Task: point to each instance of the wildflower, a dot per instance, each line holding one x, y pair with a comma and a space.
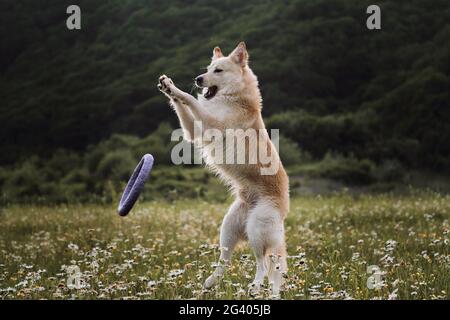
240, 293
73, 247
328, 289
22, 283
355, 256
393, 295
175, 273
390, 245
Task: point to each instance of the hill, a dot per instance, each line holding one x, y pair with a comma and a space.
79, 108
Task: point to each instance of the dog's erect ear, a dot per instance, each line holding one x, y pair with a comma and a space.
217, 53
240, 54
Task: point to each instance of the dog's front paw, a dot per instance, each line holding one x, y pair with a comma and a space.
165, 85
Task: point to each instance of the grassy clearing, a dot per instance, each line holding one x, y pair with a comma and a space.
166, 250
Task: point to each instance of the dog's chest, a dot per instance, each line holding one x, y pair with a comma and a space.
221, 111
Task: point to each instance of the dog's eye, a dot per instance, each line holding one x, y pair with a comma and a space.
218, 70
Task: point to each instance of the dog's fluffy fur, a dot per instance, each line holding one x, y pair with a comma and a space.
231, 100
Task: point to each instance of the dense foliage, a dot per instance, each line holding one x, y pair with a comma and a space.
329, 83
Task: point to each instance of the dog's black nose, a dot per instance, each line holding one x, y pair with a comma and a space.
199, 80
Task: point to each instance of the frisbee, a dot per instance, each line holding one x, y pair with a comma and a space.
135, 184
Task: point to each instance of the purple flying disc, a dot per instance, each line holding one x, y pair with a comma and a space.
135, 184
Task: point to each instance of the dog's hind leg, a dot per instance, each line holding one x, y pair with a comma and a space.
277, 268
265, 231
231, 231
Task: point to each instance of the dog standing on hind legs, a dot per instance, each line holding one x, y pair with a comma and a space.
231, 99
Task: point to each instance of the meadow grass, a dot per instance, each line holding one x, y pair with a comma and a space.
166, 250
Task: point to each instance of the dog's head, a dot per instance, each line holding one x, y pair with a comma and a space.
225, 73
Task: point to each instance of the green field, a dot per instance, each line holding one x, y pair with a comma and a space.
165, 250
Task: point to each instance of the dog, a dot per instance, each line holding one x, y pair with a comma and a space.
231, 99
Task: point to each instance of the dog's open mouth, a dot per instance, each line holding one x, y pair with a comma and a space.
211, 92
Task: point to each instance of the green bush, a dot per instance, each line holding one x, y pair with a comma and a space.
116, 166
25, 182
349, 170
290, 152
390, 171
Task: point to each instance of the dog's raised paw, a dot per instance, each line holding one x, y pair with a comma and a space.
165, 83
